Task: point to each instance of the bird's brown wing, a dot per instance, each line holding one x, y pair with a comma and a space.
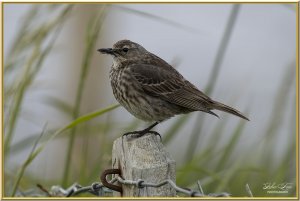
170, 86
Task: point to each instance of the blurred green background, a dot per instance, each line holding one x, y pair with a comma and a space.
243, 55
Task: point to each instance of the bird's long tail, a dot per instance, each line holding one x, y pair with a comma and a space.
220, 106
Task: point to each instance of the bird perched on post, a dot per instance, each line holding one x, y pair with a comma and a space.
151, 89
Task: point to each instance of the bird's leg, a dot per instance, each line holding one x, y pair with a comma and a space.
145, 131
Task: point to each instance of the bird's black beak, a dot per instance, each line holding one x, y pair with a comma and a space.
106, 50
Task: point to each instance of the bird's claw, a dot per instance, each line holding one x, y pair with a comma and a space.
155, 133
138, 134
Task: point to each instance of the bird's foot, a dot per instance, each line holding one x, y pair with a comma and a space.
141, 133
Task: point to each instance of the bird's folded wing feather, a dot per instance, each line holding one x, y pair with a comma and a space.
170, 86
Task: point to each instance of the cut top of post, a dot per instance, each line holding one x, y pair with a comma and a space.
144, 158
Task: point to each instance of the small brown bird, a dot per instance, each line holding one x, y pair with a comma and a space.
151, 89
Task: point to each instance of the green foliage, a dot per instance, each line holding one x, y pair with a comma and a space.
93, 30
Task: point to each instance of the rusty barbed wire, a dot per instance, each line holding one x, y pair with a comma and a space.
100, 190
142, 184
96, 189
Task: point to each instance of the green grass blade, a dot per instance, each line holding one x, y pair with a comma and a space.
194, 139
213, 77
31, 69
157, 18
26, 142
89, 116
231, 145
59, 104
35, 152
92, 35
222, 48
175, 128
216, 134
28, 18
18, 101
27, 162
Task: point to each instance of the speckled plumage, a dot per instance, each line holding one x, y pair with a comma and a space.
151, 89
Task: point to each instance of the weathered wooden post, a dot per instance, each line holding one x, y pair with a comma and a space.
143, 158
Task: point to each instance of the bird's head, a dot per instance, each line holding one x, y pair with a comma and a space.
125, 50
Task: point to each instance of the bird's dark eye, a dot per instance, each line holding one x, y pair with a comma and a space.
125, 49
